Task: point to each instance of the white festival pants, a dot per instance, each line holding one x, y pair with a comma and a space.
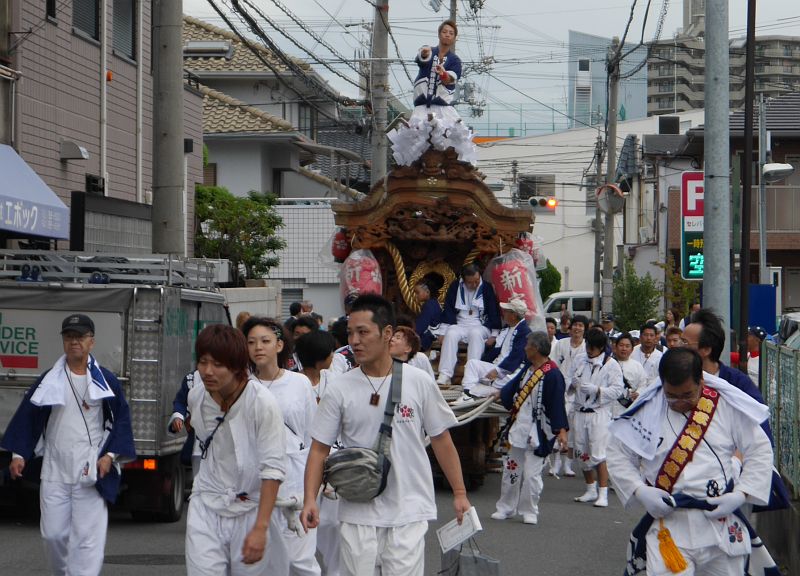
214, 543
328, 538
399, 551
521, 486
708, 561
591, 436
73, 525
475, 337
300, 550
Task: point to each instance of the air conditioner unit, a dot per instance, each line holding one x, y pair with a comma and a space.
645, 235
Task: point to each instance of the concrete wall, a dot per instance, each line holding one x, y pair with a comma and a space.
259, 301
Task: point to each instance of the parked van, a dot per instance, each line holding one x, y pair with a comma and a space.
576, 302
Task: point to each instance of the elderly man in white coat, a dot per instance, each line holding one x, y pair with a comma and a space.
483, 378
673, 451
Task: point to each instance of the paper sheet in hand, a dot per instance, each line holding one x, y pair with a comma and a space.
451, 534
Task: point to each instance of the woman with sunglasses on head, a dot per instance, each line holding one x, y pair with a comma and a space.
270, 348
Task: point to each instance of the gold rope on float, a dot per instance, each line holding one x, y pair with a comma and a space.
438, 266
400, 270
473, 254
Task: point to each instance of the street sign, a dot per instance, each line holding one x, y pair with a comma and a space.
692, 213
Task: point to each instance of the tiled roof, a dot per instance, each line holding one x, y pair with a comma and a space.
223, 114
243, 58
783, 114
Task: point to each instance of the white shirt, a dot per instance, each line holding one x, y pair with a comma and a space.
563, 354
346, 412
634, 373
594, 371
728, 431
67, 444
248, 447
648, 361
298, 403
421, 361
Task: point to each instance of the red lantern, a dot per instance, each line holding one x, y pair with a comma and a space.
340, 246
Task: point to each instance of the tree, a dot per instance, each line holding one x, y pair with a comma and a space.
636, 298
680, 293
239, 229
549, 280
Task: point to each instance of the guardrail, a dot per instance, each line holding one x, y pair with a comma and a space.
100, 268
780, 386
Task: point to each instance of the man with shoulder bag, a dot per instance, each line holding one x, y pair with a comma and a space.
386, 492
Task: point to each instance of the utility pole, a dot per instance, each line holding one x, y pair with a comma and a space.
611, 173
716, 250
168, 212
453, 15
747, 185
763, 150
598, 230
379, 89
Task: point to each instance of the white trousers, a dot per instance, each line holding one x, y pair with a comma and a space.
709, 561
474, 336
298, 551
591, 437
521, 486
214, 543
372, 551
328, 536
73, 525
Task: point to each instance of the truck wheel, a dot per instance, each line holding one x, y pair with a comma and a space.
172, 481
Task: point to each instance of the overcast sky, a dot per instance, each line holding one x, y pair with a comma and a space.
527, 40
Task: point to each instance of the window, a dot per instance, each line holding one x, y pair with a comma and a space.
555, 305
50, 9
666, 87
125, 28
86, 17
210, 174
306, 121
583, 65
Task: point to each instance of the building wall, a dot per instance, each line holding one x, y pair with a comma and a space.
676, 71
59, 98
567, 235
238, 166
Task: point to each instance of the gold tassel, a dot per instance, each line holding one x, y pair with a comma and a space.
673, 559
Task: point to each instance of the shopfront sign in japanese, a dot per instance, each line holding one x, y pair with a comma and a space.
692, 260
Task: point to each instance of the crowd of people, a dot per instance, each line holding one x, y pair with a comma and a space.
269, 401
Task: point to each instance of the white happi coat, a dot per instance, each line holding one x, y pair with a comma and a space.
640, 444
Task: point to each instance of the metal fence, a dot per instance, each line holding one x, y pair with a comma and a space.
780, 371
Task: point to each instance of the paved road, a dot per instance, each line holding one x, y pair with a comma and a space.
570, 538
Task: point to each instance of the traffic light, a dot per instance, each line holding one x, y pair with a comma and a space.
544, 204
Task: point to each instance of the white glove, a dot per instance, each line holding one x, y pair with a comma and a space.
726, 504
655, 501
589, 389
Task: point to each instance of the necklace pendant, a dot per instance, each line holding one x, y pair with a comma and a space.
318, 399
374, 398
470, 312
85, 405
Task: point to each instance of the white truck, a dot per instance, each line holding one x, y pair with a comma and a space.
147, 312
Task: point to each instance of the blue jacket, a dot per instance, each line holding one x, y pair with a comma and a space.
516, 354
553, 388
30, 422
491, 311
430, 315
428, 87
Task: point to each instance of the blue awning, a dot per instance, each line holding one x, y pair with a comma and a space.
28, 207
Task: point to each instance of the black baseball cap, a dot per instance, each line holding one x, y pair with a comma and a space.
758, 332
79, 323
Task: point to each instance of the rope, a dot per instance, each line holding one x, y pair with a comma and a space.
400, 270
474, 253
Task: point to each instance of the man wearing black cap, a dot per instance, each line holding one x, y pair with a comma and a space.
88, 435
608, 326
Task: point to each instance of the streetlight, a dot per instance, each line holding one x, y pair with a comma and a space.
770, 173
